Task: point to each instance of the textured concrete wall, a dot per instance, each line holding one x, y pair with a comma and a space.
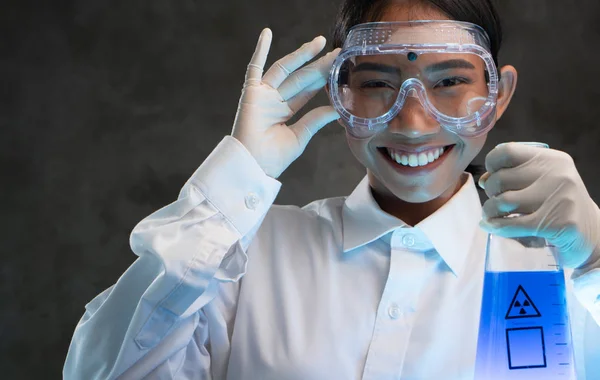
108, 106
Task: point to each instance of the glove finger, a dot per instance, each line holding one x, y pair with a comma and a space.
512, 202
503, 180
259, 58
312, 122
281, 69
509, 155
300, 100
316, 71
297, 102
518, 226
483, 179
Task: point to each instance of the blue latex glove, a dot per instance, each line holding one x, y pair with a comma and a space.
544, 185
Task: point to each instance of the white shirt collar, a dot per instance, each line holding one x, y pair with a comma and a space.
450, 229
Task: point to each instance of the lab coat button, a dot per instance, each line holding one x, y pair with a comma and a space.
394, 312
252, 201
408, 240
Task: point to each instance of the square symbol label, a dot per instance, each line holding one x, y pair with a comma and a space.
526, 347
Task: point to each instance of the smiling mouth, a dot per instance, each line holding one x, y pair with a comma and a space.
414, 160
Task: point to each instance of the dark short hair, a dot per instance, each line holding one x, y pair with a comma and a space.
479, 12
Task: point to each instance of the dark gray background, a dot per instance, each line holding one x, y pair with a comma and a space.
108, 106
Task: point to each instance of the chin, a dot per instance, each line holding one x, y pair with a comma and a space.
416, 189
416, 194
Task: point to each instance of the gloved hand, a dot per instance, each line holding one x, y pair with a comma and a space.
544, 185
269, 101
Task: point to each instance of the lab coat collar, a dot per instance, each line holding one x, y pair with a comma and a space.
450, 229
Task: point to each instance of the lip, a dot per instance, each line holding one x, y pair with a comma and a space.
417, 170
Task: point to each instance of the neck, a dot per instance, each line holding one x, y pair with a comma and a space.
411, 213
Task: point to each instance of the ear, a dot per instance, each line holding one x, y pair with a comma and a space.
506, 88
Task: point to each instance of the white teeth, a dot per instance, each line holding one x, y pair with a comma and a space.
414, 159
430, 157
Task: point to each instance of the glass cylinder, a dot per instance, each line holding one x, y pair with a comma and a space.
524, 329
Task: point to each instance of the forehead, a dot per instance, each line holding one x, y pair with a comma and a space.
411, 11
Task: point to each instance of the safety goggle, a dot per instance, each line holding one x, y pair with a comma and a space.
445, 65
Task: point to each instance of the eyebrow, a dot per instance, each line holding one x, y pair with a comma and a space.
450, 64
373, 66
440, 66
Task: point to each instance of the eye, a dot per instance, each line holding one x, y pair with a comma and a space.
376, 84
451, 82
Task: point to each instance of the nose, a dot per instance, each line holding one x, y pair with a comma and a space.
412, 120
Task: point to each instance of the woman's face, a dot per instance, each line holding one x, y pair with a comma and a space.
413, 133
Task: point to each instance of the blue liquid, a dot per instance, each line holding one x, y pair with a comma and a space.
524, 331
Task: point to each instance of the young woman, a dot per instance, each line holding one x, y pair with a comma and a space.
383, 284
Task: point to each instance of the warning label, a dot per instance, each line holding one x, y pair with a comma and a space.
522, 306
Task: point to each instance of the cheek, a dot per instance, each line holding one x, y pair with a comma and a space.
360, 149
472, 147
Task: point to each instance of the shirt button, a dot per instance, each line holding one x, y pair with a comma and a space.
394, 312
408, 240
252, 201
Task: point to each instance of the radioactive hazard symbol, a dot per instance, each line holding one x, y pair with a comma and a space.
522, 306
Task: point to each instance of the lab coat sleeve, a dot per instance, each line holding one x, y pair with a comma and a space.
586, 286
157, 315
